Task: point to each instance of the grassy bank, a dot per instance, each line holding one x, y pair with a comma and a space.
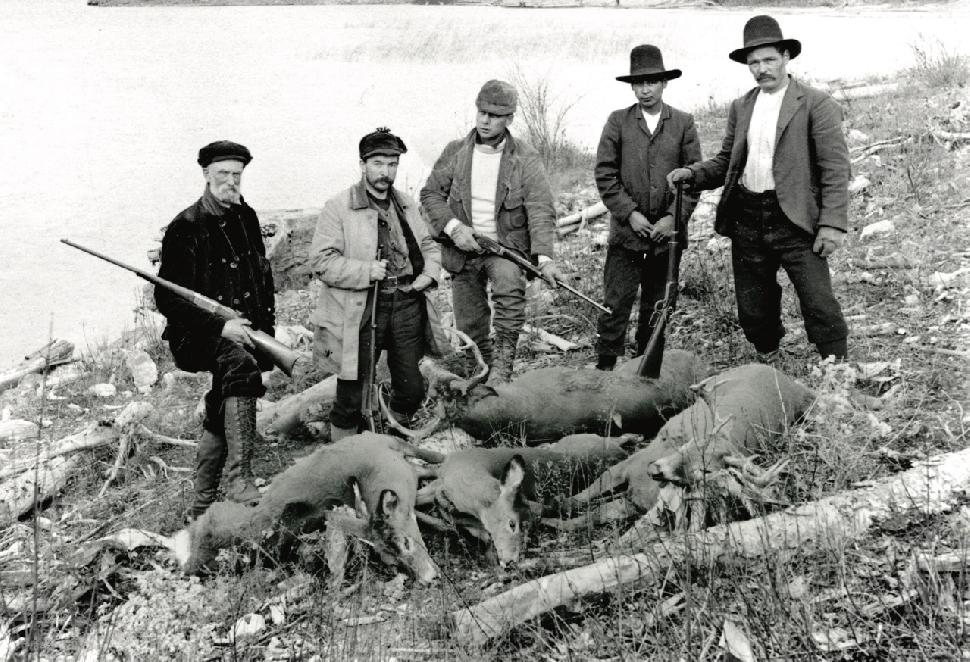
864, 600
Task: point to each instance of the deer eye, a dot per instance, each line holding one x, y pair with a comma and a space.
513, 524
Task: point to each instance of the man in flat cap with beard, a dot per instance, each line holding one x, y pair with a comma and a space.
491, 184
638, 147
215, 248
373, 233
784, 166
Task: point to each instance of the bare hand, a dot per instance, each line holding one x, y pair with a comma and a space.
640, 225
678, 175
663, 229
550, 273
464, 239
237, 330
378, 270
420, 283
827, 241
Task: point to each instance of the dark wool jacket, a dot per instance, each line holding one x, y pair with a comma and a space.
810, 165
196, 254
525, 217
632, 166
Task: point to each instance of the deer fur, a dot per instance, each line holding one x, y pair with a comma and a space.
365, 471
736, 413
488, 491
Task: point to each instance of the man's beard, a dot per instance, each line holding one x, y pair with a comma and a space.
228, 195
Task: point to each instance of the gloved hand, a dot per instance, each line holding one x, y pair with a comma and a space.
464, 239
827, 241
550, 273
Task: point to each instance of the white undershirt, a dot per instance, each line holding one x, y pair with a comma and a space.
651, 120
757, 174
485, 166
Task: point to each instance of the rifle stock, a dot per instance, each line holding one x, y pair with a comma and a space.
281, 355
495, 248
653, 354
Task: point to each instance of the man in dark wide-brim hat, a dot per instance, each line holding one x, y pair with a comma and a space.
784, 166
639, 146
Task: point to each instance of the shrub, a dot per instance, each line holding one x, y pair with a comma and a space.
935, 65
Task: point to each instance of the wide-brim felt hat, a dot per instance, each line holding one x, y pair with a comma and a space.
763, 30
647, 63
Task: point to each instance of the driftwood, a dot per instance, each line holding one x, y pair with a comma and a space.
931, 487
92, 436
53, 353
558, 342
574, 222
863, 91
283, 416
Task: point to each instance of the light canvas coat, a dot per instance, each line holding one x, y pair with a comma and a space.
343, 248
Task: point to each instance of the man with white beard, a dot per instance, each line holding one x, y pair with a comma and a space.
215, 248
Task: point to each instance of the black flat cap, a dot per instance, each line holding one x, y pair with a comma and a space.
381, 141
224, 150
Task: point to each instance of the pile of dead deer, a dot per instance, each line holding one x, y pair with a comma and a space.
619, 439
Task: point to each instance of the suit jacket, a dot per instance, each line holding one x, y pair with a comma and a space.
810, 166
632, 166
525, 217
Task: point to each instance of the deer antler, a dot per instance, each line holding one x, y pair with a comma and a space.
414, 435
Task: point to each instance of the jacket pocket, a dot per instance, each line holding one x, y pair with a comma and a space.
514, 207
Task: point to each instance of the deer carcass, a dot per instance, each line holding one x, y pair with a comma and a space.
736, 414
367, 471
488, 491
545, 404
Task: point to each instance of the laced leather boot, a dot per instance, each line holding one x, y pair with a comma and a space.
241, 440
210, 457
501, 370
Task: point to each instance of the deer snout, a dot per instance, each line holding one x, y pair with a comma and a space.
669, 468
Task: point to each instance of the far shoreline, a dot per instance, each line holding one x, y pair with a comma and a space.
889, 5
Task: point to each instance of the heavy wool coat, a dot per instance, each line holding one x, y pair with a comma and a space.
632, 166
525, 217
343, 248
810, 165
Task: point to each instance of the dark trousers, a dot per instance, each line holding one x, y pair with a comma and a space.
470, 300
765, 239
624, 272
400, 331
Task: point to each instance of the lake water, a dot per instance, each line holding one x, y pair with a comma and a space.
104, 109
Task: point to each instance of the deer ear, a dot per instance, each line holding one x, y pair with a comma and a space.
513, 475
359, 504
388, 503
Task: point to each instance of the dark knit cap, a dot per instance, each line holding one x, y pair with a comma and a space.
497, 97
381, 141
224, 150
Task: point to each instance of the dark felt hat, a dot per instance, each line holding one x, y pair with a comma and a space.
763, 30
382, 142
497, 97
647, 63
224, 150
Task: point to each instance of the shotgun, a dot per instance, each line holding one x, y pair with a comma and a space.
653, 355
495, 248
280, 354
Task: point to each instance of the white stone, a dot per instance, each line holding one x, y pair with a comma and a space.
103, 390
143, 370
879, 227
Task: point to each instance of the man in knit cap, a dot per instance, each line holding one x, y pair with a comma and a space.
373, 233
639, 146
215, 248
493, 185
784, 166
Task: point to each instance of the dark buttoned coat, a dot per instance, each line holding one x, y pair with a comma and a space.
810, 164
632, 165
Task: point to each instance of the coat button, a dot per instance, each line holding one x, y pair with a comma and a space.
235, 302
245, 295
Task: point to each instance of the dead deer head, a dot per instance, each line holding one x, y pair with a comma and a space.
500, 514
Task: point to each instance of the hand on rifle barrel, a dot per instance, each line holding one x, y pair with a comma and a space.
464, 238
679, 177
378, 270
550, 273
237, 330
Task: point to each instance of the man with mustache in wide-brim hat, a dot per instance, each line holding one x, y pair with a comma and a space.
784, 166
638, 147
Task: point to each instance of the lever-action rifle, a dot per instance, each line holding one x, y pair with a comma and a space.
653, 355
277, 352
495, 248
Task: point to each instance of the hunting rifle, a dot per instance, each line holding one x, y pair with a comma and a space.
495, 248
370, 407
280, 354
653, 355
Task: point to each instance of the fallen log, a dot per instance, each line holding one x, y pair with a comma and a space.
933, 486
92, 436
283, 416
558, 342
51, 354
573, 222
